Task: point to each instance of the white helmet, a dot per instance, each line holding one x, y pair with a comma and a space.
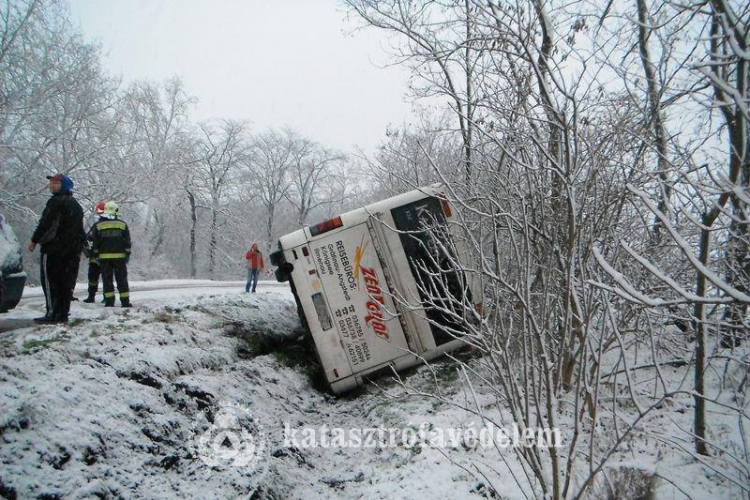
111, 208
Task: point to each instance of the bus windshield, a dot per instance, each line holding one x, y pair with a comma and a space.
433, 264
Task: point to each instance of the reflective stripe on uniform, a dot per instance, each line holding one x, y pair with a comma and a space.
111, 256
111, 224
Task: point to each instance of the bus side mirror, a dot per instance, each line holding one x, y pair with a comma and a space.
276, 258
283, 272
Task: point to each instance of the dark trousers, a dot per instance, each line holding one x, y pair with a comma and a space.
117, 269
58, 274
94, 271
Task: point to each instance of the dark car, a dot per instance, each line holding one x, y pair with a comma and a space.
12, 277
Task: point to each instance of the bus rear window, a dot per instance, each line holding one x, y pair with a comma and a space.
322, 311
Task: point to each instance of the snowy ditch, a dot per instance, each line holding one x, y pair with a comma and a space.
215, 396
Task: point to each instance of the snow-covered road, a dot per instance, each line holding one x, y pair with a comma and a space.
143, 293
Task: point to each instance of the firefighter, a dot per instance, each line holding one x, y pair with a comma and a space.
94, 269
110, 244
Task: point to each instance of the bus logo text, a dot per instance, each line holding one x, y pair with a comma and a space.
374, 305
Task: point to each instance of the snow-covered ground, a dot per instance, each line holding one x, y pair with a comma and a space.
203, 391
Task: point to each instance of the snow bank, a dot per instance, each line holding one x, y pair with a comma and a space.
210, 395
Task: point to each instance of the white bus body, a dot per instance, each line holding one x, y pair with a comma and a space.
354, 281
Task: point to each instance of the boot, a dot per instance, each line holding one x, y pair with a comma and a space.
43, 319
126, 303
109, 302
90, 299
51, 320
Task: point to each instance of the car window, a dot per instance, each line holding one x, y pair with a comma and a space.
10, 249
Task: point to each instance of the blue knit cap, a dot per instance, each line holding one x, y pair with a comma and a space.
66, 184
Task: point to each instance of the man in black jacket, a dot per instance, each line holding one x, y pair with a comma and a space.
62, 237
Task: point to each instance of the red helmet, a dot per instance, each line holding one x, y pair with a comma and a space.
100, 207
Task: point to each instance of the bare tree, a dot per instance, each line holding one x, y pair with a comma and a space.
443, 46
708, 207
570, 171
269, 166
407, 157
311, 171
223, 148
728, 71
158, 117
53, 98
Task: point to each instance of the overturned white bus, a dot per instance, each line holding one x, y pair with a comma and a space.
382, 286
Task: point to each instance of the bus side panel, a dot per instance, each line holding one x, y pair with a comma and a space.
345, 276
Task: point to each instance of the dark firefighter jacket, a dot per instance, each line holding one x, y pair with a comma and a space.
110, 240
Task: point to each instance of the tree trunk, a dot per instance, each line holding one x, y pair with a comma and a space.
699, 416
212, 242
655, 119
193, 229
269, 225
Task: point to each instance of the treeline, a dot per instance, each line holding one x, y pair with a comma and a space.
195, 193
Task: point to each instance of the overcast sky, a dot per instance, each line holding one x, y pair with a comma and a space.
271, 62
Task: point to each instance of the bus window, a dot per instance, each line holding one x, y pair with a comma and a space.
432, 259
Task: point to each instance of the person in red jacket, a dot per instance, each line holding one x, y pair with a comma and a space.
255, 264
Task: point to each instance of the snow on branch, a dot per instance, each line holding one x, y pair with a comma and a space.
684, 246
628, 292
